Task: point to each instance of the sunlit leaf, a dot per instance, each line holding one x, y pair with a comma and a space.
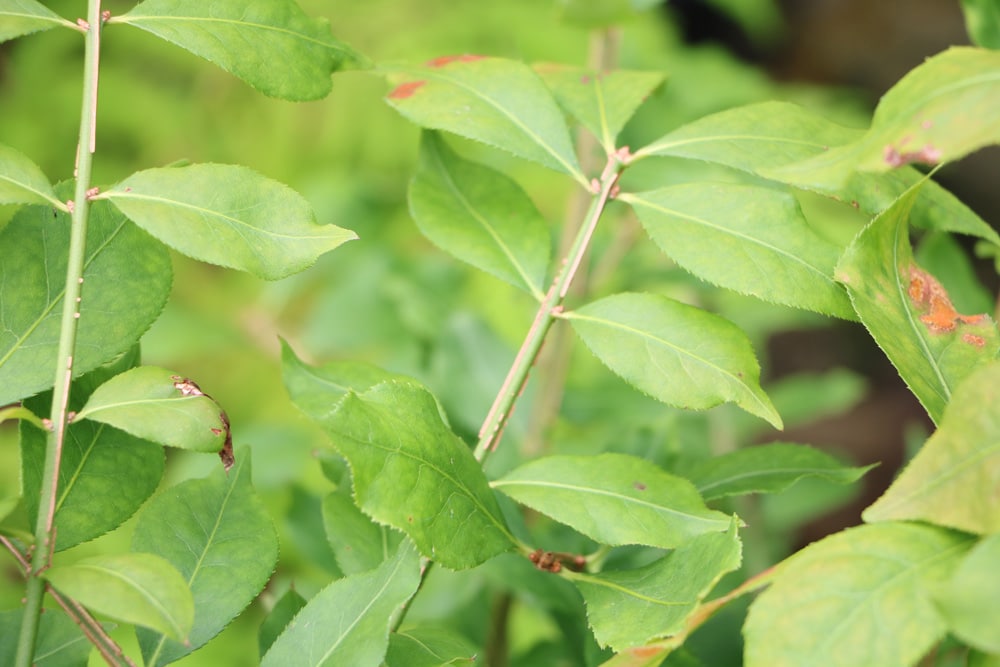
479, 215
767, 469
21, 181
411, 472
603, 102
157, 405
614, 499
218, 534
678, 354
273, 45
629, 608
429, 647
347, 623
358, 543
227, 215
134, 588
982, 19
968, 600
856, 599
749, 239
499, 102
21, 17
952, 481
126, 281
908, 312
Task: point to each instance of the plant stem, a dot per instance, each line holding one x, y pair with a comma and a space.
44, 526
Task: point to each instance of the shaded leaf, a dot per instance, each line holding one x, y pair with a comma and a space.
219, 536
285, 609
347, 623
982, 19
411, 472
273, 46
614, 499
856, 599
21, 17
156, 405
968, 600
767, 469
676, 353
227, 215
628, 608
952, 481
429, 647
909, 314
749, 239
126, 281
479, 215
358, 543
499, 102
60, 642
603, 102
21, 181
134, 588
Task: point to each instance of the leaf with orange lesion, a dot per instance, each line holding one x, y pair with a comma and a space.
940, 316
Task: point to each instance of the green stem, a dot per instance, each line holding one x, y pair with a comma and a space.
551, 306
44, 527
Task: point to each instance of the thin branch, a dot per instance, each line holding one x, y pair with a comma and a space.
18, 555
106, 646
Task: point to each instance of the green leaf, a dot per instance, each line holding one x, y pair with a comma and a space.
126, 281
160, 406
968, 600
499, 102
60, 642
856, 599
411, 472
909, 314
358, 543
613, 498
952, 481
134, 588
284, 610
21, 17
676, 353
104, 477
347, 623
21, 181
768, 469
273, 46
479, 215
218, 534
762, 138
228, 215
603, 102
629, 608
429, 647
749, 239
982, 19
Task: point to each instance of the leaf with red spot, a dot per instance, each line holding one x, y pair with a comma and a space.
499, 102
908, 312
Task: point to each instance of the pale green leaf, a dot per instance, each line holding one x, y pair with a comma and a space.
126, 281
228, 215
359, 544
982, 19
20, 412
347, 623
953, 479
768, 468
133, 588
628, 608
603, 102
968, 600
908, 312
613, 498
160, 406
479, 215
856, 599
218, 534
272, 45
21, 17
499, 102
678, 354
21, 181
411, 472
749, 239
425, 646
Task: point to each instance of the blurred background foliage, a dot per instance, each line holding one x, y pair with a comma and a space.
394, 300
